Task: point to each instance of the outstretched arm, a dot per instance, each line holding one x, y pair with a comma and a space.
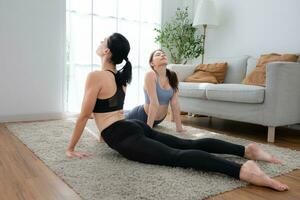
150, 87
176, 112
92, 89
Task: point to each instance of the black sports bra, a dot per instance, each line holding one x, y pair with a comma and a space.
113, 103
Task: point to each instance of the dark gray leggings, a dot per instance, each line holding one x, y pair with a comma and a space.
140, 114
138, 142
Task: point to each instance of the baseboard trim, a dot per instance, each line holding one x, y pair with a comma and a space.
36, 117
294, 126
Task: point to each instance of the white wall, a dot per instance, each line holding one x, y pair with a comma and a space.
32, 53
169, 8
253, 27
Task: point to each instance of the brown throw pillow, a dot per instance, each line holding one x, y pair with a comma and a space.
208, 73
258, 75
201, 77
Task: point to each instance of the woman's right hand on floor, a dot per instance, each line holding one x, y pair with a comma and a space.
180, 130
72, 154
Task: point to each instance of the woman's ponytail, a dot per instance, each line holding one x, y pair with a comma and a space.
173, 80
124, 75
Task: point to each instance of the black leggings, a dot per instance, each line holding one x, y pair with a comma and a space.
138, 142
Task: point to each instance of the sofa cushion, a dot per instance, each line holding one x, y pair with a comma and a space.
251, 64
236, 68
208, 73
258, 75
235, 93
196, 90
201, 77
182, 70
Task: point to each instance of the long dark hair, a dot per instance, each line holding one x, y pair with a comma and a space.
119, 48
172, 77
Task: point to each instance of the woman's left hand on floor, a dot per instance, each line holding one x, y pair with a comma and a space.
72, 154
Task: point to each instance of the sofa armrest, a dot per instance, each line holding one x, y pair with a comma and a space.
282, 97
182, 70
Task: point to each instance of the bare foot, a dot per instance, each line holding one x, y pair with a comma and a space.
253, 152
251, 173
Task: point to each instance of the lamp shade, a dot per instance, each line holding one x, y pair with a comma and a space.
206, 13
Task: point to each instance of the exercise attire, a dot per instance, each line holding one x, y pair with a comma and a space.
163, 95
138, 142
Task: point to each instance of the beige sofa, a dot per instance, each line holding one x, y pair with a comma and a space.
277, 104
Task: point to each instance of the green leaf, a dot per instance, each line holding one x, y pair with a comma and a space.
178, 37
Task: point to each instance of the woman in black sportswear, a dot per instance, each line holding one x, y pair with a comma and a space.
104, 96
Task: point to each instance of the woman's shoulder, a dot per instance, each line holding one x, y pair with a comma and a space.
150, 75
96, 76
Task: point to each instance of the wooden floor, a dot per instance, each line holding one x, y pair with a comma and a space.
285, 137
23, 176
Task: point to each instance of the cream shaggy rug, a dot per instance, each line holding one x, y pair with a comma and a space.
107, 175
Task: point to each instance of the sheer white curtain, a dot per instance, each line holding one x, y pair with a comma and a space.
88, 22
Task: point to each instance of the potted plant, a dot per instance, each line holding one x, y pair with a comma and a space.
178, 37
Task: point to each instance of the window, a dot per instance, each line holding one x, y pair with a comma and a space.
88, 22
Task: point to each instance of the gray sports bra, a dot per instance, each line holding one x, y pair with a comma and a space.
163, 95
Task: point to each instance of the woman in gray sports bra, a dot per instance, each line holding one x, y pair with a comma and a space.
160, 89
